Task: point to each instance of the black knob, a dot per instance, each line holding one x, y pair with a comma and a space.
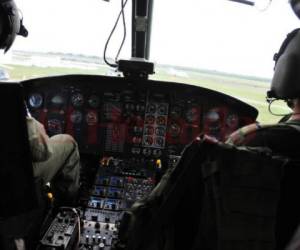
97, 225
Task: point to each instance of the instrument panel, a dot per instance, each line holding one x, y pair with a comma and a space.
145, 118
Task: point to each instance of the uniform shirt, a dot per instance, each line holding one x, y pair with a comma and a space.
38, 140
283, 140
280, 138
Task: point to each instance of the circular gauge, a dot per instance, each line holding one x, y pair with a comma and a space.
148, 141
232, 121
174, 129
135, 151
137, 129
94, 101
136, 140
159, 141
161, 120
35, 100
162, 109
157, 153
57, 100
140, 108
151, 108
192, 114
54, 127
91, 118
160, 131
77, 100
149, 119
213, 116
76, 117
147, 151
149, 130
175, 112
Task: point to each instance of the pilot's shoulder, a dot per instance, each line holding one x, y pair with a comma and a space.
254, 131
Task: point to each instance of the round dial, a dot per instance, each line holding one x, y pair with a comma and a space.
148, 140
157, 153
35, 100
232, 121
160, 131
162, 109
174, 129
151, 108
213, 120
94, 101
91, 118
147, 151
76, 117
159, 141
161, 120
192, 114
57, 100
149, 119
140, 108
55, 126
77, 100
213, 116
149, 130
175, 112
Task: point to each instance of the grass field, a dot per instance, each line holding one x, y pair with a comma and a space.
251, 91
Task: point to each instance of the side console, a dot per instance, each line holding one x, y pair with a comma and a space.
63, 232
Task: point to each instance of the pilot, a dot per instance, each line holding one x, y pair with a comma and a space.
285, 86
55, 159
282, 138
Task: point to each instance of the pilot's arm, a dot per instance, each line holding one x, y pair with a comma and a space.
39, 140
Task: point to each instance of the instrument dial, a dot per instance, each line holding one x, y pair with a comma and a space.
77, 100
94, 101
151, 108
91, 118
232, 121
175, 112
149, 130
160, 131
159, 141
213, 116
174, 129
149, 119
213, 120
35, 100
148, 141
192, 114
161, 120
76, 117
58, 100
162, 109
55, 126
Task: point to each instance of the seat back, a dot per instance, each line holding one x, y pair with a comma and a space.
17, 188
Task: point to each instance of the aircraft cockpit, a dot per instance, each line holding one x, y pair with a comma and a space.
131, 121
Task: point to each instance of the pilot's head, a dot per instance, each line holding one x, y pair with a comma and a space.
286, 79
10, 24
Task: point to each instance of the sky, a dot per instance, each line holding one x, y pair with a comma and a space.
209, 34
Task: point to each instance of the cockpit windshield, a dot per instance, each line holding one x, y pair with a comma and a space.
217, 44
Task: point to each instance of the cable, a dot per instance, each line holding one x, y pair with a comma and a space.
124, 29
111, 33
